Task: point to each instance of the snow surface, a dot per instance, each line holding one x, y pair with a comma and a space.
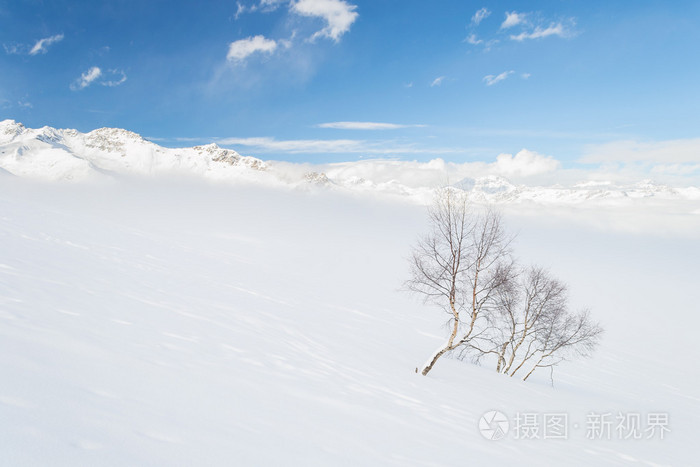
156, 322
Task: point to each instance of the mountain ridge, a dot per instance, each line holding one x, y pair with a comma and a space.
54, 154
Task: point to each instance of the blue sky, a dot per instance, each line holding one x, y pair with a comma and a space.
308, 80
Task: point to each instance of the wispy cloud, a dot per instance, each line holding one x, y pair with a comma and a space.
113, 78
521, 26
670, 161
14, 48
41, 46
480, 15
109, 78
334, 146
678, 151
296, 146
554, 29
264, 6
437, 81
513, 19
86, 79
490, 80
533, 26
472, 39
365, 126
240, 9
676, 169
338, 15
241, 49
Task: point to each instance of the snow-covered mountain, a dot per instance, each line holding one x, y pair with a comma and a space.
48, 153
52, 154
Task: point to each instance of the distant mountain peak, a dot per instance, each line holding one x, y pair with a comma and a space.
64, 154
9, 129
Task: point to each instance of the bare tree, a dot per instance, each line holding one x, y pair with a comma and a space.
534, 328
460, 266
518, 317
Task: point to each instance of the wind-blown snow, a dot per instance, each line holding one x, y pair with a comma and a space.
183, 323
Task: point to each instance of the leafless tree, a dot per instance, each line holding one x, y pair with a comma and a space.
460, 266
520, 318
533, 327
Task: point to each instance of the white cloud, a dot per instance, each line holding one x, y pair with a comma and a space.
241, 49
299, 145
365, 126
86, 79
524, 164
659, 152
113, 78
525, 75
270, 5
472, 39
676, 169
513, 19
240, 9
480, 15
437, 81
334, 146
15, 48
265, 6
109, 78
338, 15
490, 80
554, 29
42, 45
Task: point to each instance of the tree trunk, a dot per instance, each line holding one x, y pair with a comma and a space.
447, 347
429, 365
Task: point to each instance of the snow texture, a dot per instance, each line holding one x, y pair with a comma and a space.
157, 322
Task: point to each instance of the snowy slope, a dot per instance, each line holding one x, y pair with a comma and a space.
183, 323
52, 154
